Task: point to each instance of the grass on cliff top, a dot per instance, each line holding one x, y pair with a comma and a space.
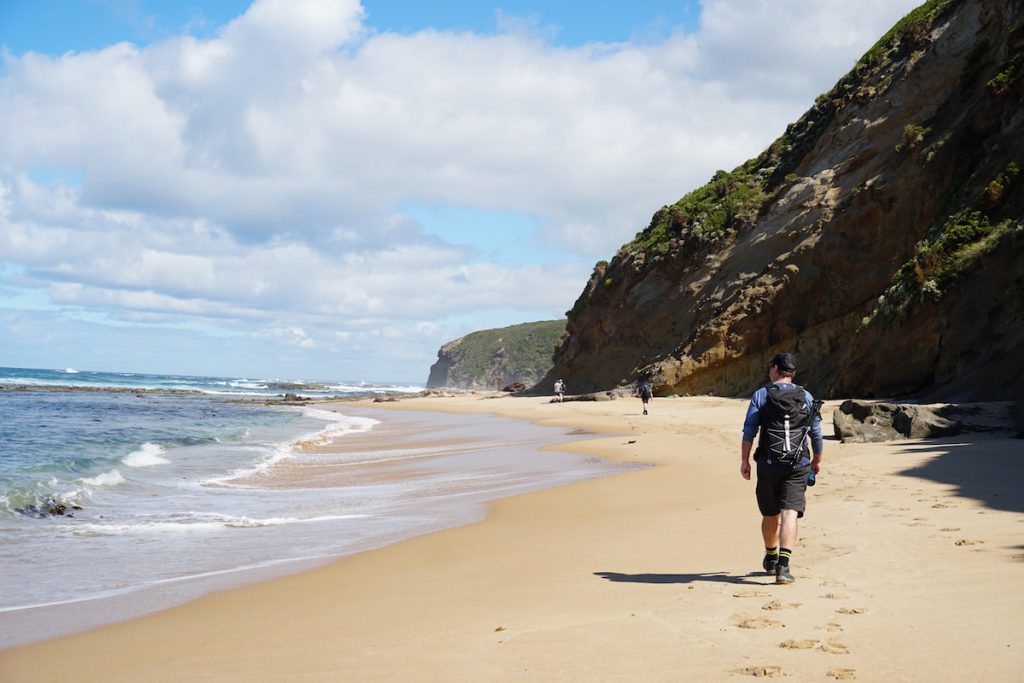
706, 214
731, 199
525, 348
915, 22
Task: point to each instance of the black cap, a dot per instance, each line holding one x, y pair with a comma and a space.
784, 362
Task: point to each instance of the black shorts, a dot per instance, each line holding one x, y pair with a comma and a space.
781, 488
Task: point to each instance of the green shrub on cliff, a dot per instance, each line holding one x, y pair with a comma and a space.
998, 187
940, 261
706, 214
1010, 76
912, 24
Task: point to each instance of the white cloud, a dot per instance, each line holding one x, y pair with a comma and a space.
259, 175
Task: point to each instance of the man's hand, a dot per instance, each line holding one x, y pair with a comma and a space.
816, 463
745, 458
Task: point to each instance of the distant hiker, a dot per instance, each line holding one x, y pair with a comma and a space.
643, 390
559, 390
785, 414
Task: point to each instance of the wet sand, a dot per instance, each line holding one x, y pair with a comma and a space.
909, 567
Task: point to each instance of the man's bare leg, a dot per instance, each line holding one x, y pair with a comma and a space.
787, 539
770, 531
788, 530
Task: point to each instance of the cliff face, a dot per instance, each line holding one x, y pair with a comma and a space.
492, 359
880, 238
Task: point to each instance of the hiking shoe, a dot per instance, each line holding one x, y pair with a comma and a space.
769, 562
782, 574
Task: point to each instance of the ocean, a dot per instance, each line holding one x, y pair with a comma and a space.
122, 493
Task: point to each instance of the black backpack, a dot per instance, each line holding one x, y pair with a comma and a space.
786, 419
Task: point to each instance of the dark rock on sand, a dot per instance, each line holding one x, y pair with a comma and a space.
514, 388
867, 421
870, 421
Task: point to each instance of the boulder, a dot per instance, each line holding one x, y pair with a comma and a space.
869, 421
514, 388
51, 507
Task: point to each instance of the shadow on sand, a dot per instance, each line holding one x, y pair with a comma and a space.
709, 577
985, 468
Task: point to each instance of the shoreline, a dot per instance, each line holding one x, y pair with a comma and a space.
401, 452
650, 575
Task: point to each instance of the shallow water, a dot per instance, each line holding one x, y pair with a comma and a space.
181, 495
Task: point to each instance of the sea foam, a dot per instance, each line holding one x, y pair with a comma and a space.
148, 455
111, 478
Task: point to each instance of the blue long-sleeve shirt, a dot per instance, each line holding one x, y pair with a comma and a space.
753, 420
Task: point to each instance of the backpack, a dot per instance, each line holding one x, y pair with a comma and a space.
786, 420
644, 390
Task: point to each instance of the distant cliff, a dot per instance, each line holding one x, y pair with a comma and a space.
492, 359
880, 238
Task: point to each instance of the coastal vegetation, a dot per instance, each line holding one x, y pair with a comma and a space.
941, 261
497, 357
707, 214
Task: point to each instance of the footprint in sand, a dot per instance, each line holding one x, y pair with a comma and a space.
944, 505
751, 594
757, 622
799, 644
833, 584
833, 627
851, 610
775, 604
835, 596
769, 671
843, 674
950, 528
834, 648
968, 541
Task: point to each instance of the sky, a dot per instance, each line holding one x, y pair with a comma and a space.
329, 189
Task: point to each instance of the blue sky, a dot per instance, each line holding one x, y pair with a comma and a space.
57, 26
331, 189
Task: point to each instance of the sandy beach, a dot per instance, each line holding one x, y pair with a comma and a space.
910, 567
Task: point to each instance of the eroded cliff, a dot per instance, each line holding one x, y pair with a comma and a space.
881, 238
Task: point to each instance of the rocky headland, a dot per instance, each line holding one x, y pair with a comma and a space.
497, 358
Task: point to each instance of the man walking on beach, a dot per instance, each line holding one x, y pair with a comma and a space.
643, 390
785, 414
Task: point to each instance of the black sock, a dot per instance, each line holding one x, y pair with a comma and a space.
784, 554
771, 554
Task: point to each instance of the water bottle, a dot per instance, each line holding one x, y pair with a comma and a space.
810, 478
